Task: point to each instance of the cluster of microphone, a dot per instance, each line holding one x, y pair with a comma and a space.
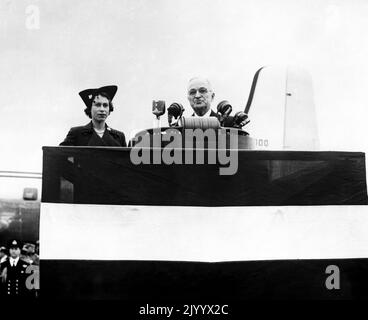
174, 111
239, 120
224, 109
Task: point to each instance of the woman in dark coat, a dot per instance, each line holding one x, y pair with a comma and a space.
96, 133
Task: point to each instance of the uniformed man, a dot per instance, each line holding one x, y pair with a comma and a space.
25, 253
13, 276
28, 254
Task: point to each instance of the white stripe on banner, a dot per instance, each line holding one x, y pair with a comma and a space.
106, 232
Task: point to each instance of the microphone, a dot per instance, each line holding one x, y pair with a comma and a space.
224, 109
240, 120
158, 108
175, 110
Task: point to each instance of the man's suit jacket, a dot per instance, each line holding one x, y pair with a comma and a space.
229, 121
86, 136
212, 114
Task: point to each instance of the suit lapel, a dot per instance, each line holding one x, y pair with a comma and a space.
212, 114
109, 139
91, 138
95, 140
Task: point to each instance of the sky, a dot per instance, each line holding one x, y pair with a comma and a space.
151, 48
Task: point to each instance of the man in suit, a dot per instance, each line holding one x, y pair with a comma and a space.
99, 105
200, 96
13, 275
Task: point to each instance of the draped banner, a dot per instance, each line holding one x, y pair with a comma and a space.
112, 229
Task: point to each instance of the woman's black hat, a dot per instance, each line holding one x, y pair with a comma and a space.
88, 94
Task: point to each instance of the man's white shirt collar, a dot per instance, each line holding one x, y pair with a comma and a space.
206, 115
12, 261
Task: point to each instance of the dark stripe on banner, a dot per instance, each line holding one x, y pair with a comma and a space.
263, 178
170, 281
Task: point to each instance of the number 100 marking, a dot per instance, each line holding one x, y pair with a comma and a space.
262, 142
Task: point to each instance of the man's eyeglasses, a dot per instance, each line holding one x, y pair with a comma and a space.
202, 90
